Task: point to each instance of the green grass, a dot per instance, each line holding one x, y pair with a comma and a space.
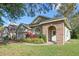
15, 49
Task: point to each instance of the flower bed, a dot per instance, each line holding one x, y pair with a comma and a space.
32, 40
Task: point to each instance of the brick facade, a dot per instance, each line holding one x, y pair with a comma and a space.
59, 25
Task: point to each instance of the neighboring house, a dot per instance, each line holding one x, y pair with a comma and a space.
21, 31
56, 30
12, 28
5, 31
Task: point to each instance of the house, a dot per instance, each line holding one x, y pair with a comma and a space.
12, 30
55, 30
5, 31
21, 31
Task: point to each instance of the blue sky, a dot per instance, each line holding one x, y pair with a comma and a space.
28, 19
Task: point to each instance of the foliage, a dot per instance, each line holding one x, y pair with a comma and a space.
20, 40
75, 22
14, 11
11, 11
5, 39
73, 35
77, 36
32, 40
40, 35
33, 8
38, 40
30, 34
75, 26
1, 28
67, 9
28, 40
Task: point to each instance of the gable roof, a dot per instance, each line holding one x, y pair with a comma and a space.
66, 22
39, 19
24, 25
55, 20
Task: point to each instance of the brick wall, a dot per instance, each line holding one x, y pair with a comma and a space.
59, 31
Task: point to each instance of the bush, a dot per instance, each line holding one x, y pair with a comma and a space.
74, 35
30, 34
40, 35
32, 40
5, 39
28, 40
38, 41
19, 40
35, 40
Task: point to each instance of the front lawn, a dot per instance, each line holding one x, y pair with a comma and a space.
70, 48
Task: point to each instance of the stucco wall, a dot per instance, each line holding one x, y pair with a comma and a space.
66, 34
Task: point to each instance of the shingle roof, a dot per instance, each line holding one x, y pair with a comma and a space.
43, 18
24, 25
54, 20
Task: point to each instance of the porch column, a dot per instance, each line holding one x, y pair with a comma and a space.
60, 34
45, 31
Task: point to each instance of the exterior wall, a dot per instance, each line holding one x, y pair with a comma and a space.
59, 31
67, 34
37, 29
20, 35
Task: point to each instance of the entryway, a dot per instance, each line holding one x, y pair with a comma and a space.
52, 34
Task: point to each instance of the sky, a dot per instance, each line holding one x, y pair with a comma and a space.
28, 19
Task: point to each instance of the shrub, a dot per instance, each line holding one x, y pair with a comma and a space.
30, 34
40, 35
38, 40
34, 40
5, 39
31, 40
73, 35
28, 40
19, 40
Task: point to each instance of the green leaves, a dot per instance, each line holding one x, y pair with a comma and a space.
12, 11
66, 9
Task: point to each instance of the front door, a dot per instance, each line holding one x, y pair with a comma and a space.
52, 35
